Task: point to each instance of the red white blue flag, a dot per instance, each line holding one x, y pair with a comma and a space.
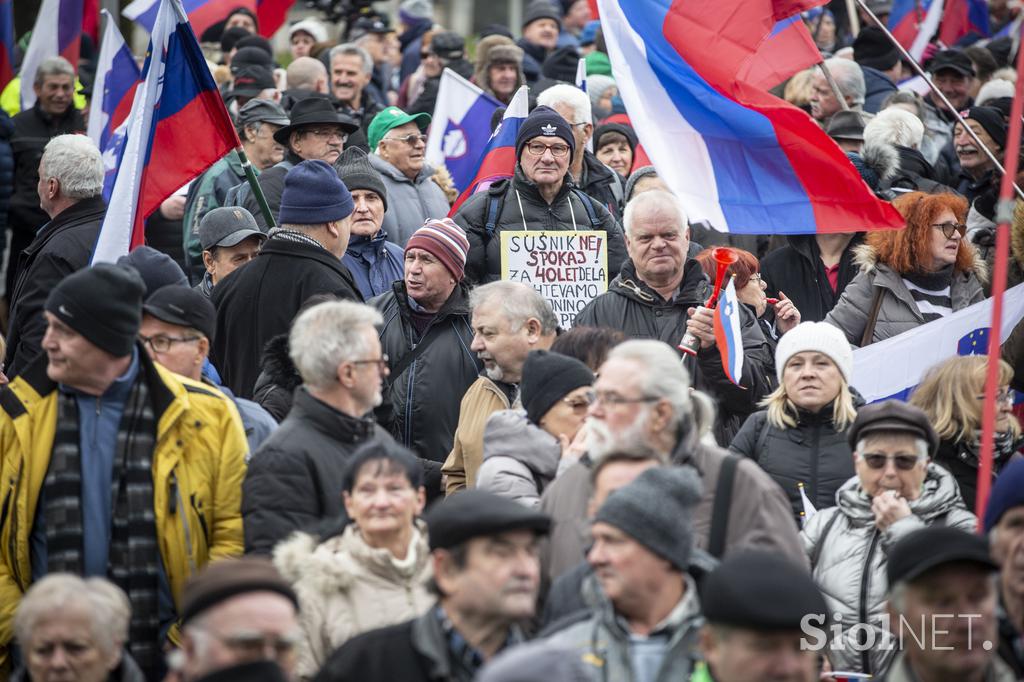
174, 133
498, 160
57, 32
787, 50
736, 156
915, 23
201, 13
729, 333
6, 42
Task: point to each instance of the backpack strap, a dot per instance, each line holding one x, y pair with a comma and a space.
762, 438
722, 504
494, 206
869, 328
595, 222
816, 552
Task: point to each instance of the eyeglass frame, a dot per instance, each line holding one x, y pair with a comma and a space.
1004, 396
381, 362
325, 134
895, 460
421, 137
949, 228
171, 340
547, 147
602, 397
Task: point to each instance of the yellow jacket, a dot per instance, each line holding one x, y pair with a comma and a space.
482, 399
198, 468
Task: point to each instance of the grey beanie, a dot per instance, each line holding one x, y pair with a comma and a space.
355, 171
656, 510
635, 176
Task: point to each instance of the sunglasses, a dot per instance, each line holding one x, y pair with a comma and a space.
948, 228
878, 461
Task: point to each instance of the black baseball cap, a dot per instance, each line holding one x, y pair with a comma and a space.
951, 59
227, 226
184, 306
365, 25
929, 548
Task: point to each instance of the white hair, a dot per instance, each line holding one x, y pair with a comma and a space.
327, 335
920, 444
54, 66
994, 89
519, 303
75, 162
570, 96
351, 49
894, 126
104, 603
849, 78
655, 201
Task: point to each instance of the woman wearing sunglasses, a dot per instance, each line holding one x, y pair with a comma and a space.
896, 490
911, 276
522, 451
951, 394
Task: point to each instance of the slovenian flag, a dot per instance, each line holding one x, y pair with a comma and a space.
176, 132
736, 156
57, 32
965, 332
460, 127
728, 332
498, 161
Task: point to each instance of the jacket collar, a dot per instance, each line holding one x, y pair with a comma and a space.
388, 169
594, 171
93, 207
457, 303
693, 289
528, 188
329, 421
295, 249
430, 641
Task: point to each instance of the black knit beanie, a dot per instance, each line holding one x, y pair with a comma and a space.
547, 378
103, 303
991, 120
355, 171
872, 48
545, 122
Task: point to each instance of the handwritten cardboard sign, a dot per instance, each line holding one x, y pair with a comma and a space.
569, 269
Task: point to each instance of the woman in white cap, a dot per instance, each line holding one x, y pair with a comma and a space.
800, 436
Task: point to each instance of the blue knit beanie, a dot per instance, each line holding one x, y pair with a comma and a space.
1007, 493
545, 122
314, 194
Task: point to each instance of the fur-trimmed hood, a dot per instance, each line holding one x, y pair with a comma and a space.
338, 563
1017, 233
865, 257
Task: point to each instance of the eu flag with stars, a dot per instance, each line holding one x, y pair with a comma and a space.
975, 343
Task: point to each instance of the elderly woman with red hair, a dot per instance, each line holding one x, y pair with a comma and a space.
911, 276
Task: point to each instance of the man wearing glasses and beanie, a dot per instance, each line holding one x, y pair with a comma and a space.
540, 196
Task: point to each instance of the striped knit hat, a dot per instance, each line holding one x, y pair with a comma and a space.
446, 241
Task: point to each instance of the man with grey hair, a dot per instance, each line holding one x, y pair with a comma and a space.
351, 71
850, 79
69, 192
294, 479
509, 320
643, 400
592, 176
53, 114
660, 294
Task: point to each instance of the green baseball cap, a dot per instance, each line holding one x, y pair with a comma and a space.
392, 117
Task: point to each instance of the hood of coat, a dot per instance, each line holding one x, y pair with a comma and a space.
693, 290
865, 257
883, 159
940, 494
336, 563
494, 48
510, 434
386, 169
277, 365
913, 161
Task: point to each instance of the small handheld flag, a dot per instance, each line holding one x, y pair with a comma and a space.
808, 507
728, 335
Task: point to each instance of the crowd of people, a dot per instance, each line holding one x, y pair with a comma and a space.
308, 432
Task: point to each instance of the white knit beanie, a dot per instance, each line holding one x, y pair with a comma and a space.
820, 337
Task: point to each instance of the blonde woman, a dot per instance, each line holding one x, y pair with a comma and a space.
951, 394
800, 436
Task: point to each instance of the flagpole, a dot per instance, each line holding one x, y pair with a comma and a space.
250, 176
917, 68
835, 86
1004, 216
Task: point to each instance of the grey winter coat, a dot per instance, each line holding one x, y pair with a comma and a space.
520, 459
566, 212
848, 556
604, 643
899, 312
410, 202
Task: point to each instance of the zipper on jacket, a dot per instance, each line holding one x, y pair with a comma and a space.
407, 436
865, 578
176, 500
202, 520
815, 455
12, 539
3, 509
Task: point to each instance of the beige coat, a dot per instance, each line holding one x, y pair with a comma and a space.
346, 587
482, 399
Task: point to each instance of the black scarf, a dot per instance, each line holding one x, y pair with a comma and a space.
134, 556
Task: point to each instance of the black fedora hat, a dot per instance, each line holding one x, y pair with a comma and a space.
313, 111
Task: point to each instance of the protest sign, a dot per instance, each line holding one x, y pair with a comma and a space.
569, 269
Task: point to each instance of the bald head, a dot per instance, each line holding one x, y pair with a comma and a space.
306, 73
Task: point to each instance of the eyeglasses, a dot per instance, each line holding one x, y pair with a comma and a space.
756, 277
948, 228
1003, 396
612, 398
580, 403
253, 646
538, 148
381, 362
328, 133
411, 139
878, 461
162, 344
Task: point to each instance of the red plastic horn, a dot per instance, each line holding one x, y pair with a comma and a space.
724, 257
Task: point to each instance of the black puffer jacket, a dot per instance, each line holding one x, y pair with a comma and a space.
421, 407
278, 379
797, 270
959, 458
294, 479
604, 185
639, 312
484, 262
813, 453
63, 246
915, 174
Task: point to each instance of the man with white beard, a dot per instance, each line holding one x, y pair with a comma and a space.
643, 401
295, 478
509, 320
